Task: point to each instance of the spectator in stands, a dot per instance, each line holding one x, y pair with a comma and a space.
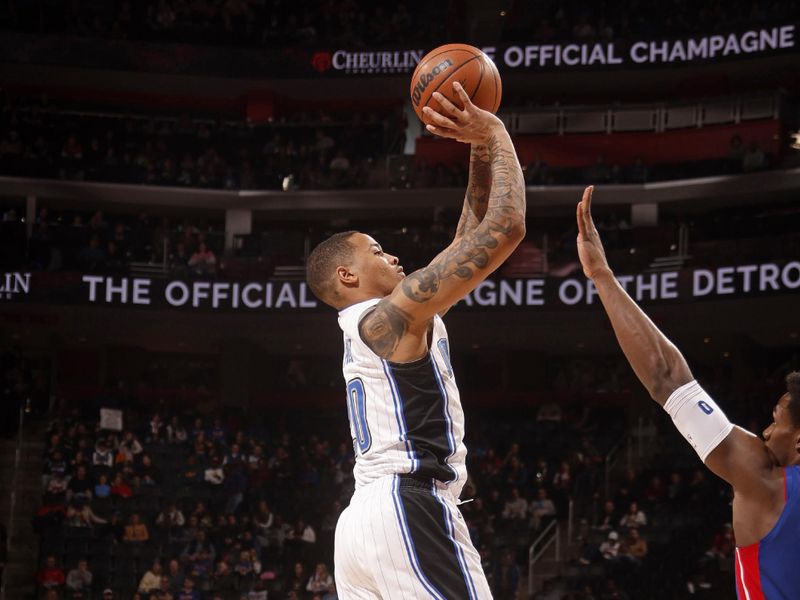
92, 257
120, 487
187, 591
51, 576
541, 508
516, 507
136, 532
224, 581
320, 581
203, 261
103, 456
129, 448
171, 518
57, 486
175, 576
634, 548
609, 549
675, 488
296, 582
609, 518
635, 517
54, 464
638, 172
79, 579
176, 432
736, 152
599, 172
151, 580
754, 158
505, 580
80, 486
214, 474
536, 172
81, 515
196, 547
724, 543
101, 488
259, 591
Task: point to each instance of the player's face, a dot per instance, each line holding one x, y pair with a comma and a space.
781, 435
377, 269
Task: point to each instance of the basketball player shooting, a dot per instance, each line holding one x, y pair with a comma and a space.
403, 536
764, 473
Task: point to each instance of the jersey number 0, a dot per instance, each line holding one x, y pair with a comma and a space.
357, 411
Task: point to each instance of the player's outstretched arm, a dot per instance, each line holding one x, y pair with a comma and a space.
658, 364
735, 455
471, 257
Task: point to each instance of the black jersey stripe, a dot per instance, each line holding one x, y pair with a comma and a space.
433, 546
424, 406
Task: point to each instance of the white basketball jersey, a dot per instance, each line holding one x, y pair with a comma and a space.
404, 417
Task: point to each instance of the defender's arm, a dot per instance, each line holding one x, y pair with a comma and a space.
732, 453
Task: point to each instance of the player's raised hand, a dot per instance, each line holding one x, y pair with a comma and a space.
590, 248
470, 125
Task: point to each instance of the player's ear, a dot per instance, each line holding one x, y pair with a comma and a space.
346, 276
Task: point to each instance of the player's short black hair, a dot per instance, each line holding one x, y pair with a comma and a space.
793, 389
322, 262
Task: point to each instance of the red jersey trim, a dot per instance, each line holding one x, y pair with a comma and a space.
748, 575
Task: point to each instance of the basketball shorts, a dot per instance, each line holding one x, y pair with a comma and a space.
404, 538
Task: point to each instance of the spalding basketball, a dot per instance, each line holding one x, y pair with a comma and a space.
439, 68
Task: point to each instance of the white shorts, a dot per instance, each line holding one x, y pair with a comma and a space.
403, 538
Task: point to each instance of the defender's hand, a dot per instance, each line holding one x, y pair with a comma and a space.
472, 125
590, 248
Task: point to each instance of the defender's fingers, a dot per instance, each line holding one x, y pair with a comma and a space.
579, 217
586, 212
446, 105
438, 119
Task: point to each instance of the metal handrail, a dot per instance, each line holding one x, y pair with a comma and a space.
553, 533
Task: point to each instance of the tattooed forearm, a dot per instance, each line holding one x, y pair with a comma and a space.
476, 199
500, 229
383, 327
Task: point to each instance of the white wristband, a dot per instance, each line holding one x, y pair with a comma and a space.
701, 422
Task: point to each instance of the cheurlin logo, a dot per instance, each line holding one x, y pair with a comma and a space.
12, 284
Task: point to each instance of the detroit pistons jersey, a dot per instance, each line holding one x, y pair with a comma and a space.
404, 417
770, 568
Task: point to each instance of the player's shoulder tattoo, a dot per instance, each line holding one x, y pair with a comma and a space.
383, 327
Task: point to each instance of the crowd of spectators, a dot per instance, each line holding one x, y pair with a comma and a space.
305, 150
177, 506
166, 504
96, 241
358, 23
90, 242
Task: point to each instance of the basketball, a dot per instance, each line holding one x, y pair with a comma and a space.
466, 64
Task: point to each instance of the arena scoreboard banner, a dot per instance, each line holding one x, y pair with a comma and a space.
572, 55
258, 297
296, 62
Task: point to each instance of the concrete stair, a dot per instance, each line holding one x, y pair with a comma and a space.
25, 492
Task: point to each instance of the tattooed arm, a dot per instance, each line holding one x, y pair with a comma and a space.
396, 328
476, 200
